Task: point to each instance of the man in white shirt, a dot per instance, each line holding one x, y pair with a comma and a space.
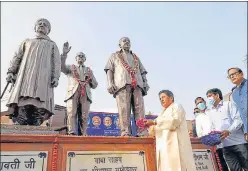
225, 117
203, 127
201, 119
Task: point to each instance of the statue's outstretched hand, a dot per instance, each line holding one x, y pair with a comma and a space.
66, 48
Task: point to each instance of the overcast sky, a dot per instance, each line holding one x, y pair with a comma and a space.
186, 47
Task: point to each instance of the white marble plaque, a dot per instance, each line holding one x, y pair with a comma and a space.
106, 161
203, 160
24, 161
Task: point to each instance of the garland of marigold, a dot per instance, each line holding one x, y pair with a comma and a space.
76, 75
131, 71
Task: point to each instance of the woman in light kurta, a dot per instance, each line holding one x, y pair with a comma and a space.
173, 146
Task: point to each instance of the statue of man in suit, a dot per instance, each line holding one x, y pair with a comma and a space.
78, 97
126, 77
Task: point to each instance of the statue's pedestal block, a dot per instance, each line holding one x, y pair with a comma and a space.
204, 156
56, 152
23, 129
73, 153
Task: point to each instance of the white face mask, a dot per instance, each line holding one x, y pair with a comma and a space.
210, 101
201, 106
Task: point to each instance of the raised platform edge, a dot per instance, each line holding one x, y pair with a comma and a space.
27, 138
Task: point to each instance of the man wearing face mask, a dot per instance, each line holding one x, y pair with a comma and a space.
224, 116
126, 78
34, 73
201, 119
239, 94
203, 127
78, 97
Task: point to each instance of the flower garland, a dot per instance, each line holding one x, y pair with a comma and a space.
212, 139
55, 154
131, 71
141, 123
76, 75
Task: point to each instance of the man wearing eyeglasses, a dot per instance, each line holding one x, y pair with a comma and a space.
78, 97
239, 94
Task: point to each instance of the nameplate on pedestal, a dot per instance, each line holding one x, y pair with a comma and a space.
20, 161
204, 160
106, 161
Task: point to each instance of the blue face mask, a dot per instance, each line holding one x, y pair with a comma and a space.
210, 102
201, 106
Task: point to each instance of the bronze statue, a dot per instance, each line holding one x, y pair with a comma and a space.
78, 97
126, 77
34, 72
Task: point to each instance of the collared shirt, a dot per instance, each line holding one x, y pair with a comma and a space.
226, 116
203, 125
239, 96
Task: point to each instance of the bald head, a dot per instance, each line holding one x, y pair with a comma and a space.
125, 43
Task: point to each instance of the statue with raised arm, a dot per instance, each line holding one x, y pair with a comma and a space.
34, 72
126, 78
78, 97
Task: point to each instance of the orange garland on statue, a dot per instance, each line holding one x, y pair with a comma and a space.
76, 75
131, 71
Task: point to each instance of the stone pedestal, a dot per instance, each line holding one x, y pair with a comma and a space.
54, 152
22, 129
74, 153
